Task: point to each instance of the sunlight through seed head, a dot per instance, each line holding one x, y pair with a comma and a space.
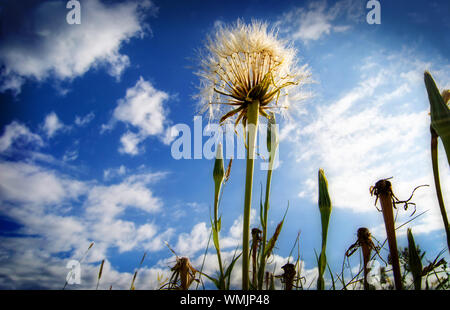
246, 62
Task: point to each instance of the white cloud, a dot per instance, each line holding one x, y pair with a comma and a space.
28, 183
84, 120
93, 213
190, 243
70, 155
52, 124
113, 172
130, 143
108, 202
17, 133
56, 49
28, 267
64, 214
377, 129
196, 240
143, 108
319, 20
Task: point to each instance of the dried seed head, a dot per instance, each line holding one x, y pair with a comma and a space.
289, 269
364, 235
288, 276
256, 233
183, 274
383, 187
243, 63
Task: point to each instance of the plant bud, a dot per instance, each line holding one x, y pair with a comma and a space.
272, 135
439, 111
219, 170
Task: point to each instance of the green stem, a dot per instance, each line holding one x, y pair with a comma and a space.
323, 258
325, 213
252, 115
262, 263
437, 183
217, 229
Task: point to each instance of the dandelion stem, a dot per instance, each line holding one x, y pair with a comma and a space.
253, 115
218, 176
217, 229
272, 146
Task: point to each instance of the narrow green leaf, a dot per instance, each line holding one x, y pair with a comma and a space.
261, 211
230, 269
332, 277
214, 280
415, 262
271, 243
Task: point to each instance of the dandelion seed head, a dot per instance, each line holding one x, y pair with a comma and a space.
246, 62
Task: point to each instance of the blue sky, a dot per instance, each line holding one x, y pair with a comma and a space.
80, 163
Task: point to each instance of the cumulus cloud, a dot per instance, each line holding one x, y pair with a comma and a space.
130, 143
36, 269
54, 48
144, 109
17, 133
190, 243
57, 213
110, 201
28, 183
52, 124
196, 240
